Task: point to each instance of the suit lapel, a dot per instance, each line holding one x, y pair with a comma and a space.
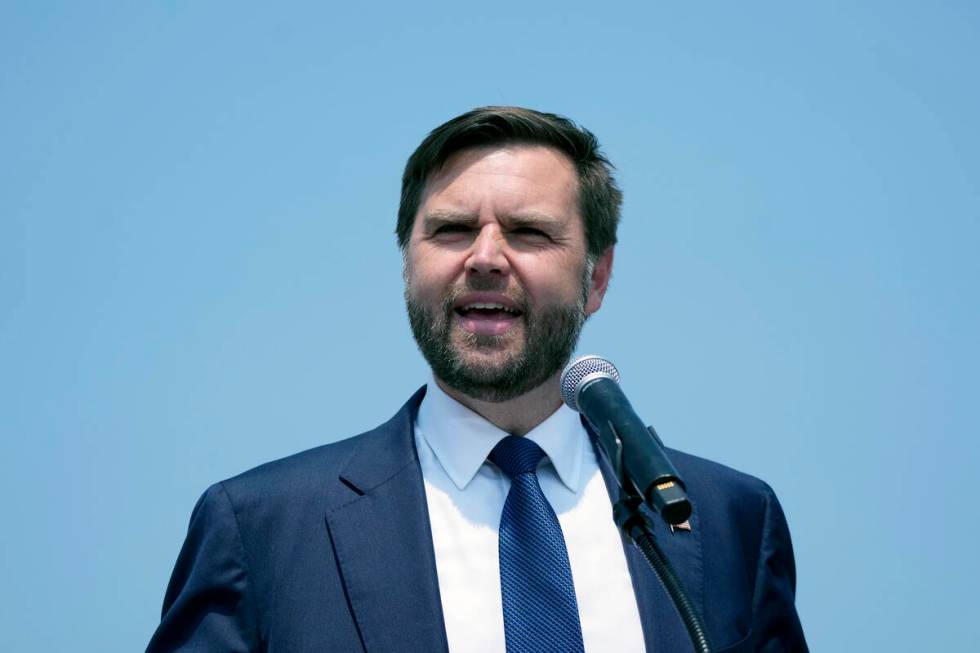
383, 542
663, 629
662, 626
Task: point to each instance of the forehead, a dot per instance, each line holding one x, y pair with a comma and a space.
504, 178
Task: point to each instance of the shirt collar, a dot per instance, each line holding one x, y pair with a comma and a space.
461, 439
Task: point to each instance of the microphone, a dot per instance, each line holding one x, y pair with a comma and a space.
590, 386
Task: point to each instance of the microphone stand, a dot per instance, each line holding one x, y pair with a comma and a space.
639, 530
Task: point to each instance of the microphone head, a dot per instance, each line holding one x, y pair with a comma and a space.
582, 371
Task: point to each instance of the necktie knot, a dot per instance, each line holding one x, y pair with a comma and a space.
516, 455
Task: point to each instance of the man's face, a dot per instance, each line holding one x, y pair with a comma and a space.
497, 282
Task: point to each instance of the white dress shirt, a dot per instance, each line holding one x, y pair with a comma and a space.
465, 495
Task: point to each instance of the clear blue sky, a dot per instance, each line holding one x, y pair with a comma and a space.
198, 272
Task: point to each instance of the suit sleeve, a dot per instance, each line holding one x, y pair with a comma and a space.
774, 609
207, 606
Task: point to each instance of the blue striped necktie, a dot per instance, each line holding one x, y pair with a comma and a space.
540, 610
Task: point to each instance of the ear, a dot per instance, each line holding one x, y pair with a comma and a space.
600, 281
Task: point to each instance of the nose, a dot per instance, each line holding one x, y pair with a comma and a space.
487, 255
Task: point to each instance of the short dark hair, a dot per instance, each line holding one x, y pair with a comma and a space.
599, 197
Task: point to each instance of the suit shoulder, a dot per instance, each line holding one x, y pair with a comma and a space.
323, 459
314, 472
709, 479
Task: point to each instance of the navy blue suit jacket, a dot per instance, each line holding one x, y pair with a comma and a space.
331, 550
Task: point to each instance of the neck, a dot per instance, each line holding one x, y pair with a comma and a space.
516, 416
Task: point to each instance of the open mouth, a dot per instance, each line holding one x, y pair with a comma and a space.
487, 318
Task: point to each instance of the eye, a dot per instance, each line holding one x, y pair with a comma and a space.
452, 232
453, 229
530, 234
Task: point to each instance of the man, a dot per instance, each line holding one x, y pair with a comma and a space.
389, 541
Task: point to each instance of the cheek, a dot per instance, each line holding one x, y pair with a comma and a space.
551, 283
428, 283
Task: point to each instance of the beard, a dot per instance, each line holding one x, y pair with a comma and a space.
549, 338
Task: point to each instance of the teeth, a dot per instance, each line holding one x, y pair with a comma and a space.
497, 307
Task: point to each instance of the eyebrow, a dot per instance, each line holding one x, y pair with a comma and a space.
441, 217
532, 219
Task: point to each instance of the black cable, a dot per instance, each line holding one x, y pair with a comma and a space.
636, 526
670, 581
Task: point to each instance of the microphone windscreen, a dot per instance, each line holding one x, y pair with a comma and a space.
581, 370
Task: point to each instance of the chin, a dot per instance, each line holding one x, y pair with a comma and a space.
487, 363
